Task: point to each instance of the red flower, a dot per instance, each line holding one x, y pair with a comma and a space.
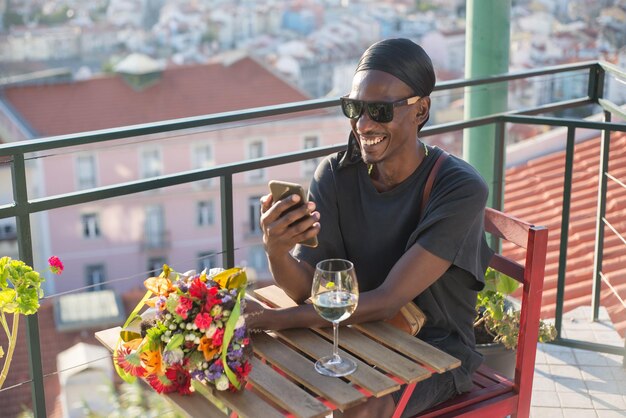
184, 305
243, 371
198, 289
218, 337
211, 299
129, 360
56, 266
161, 383
180, 378
203, 320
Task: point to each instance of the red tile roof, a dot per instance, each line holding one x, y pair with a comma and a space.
534, 192
186, 91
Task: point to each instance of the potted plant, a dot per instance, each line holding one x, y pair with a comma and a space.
20, 291
497, 323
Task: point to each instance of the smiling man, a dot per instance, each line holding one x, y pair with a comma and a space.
366, 206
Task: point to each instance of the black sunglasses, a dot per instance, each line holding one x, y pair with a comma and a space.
381, 112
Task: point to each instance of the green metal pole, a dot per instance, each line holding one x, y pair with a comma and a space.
25, 249
486, 53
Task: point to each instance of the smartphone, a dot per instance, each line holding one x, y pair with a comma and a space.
282, 189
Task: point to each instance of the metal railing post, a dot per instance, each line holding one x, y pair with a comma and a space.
595, 89
567, 197
605, 145
499, 157
25, 250
228, 239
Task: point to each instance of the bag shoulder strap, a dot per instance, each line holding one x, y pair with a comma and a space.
431, 179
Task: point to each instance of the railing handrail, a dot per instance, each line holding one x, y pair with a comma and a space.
103, 135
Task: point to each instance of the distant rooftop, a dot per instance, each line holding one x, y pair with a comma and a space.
185, 91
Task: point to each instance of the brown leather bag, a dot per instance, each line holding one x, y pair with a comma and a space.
410, 317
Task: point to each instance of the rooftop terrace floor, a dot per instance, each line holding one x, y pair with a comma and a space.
579, 383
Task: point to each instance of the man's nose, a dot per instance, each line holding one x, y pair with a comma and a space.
364, 123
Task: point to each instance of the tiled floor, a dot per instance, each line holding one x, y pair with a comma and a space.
578, 383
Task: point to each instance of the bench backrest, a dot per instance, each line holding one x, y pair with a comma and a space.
535, 240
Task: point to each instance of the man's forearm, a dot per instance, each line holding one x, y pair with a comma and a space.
292, 275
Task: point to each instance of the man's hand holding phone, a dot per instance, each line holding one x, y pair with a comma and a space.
287, 218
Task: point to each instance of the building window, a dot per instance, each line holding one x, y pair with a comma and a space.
91, 225
155, 265
154, 227
151, 163
257, 259
255, 150
202, 157
95, 277
309, 166
206, 213
85, 172
8, 230
207, 261
254, 210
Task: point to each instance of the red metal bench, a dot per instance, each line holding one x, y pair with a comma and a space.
494, 395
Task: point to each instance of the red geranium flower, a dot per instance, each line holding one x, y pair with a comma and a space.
203, 320
198, 289
184, 305
243, 371
218, 337
212, 299
55, 265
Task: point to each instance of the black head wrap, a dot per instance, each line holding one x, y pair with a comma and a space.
403, 59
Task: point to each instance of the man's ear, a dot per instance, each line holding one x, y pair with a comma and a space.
423, 109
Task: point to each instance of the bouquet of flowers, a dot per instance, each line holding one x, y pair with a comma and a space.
197, 331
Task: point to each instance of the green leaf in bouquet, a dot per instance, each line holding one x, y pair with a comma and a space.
135, 313
196, 358
171, 303
154, 335
128, 335
229, 330
176, 341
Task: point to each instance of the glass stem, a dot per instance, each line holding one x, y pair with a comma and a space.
335, 341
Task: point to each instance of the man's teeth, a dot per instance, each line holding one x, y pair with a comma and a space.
372, 141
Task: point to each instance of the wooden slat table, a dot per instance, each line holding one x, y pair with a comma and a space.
283, 380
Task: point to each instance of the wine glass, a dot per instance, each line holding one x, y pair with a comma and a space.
335, 294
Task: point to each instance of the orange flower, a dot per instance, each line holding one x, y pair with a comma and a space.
161, 286
153, 362
206, 346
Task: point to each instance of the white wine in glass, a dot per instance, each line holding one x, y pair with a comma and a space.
335, 295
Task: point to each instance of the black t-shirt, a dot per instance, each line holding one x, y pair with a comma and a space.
373, 230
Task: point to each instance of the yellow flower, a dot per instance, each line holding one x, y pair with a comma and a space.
232, 278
